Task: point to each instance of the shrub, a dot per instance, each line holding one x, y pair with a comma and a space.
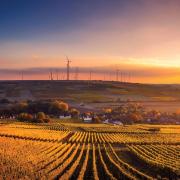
21, 107
4, 101
25, 117
41, 116
74, 113
47, 120
96, 119
108, 111
39, 120
64, 106
135, 117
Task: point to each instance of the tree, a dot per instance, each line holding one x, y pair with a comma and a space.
41, 116
21, 107
64, 106
135, 117
107, 110
96, 119
47, 120
74, 113
4, 101
25, 117
39, 106
57, 107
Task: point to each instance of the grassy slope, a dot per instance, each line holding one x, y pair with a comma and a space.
83, 90
96, 94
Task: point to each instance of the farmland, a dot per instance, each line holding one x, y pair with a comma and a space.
61, 150
165, 98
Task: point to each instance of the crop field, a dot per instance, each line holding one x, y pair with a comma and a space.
88, 151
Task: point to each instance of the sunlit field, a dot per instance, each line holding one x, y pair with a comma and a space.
88, 151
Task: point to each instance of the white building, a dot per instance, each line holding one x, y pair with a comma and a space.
106, 121
87, 119
117, 123
65, 117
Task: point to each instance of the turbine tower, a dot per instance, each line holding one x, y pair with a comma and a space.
51, 75
68, 68
117, 74
57, 75
22, 75
90, 75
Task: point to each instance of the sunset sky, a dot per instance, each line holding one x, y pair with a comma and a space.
137, 36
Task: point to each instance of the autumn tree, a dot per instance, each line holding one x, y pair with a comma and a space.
41, 116
21, 107
57, 107
25, 117
74, 113
135, 117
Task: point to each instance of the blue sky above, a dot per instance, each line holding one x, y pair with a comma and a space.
22, 19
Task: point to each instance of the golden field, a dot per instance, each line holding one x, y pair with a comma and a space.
88, 151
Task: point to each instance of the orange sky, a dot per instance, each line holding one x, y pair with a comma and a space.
140, 36
136, 73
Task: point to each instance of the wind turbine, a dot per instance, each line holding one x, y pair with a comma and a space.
68, 68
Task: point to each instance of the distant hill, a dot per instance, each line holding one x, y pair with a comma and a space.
91, 92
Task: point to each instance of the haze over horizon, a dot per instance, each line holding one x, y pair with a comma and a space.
137, 36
